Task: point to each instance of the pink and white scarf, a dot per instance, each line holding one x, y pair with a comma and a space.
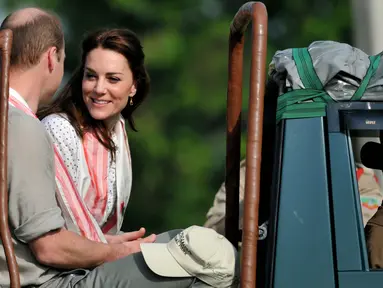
84, 208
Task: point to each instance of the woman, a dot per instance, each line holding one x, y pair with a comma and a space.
93, 167
86, 124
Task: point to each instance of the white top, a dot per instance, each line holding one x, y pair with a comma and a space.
67, 141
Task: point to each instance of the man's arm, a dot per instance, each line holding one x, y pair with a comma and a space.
216, 214
65, 249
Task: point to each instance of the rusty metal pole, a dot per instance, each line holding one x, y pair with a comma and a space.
5, 49
257, 13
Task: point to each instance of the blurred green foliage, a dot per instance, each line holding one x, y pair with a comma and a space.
179, 152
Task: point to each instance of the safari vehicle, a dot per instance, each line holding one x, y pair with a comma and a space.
300, 178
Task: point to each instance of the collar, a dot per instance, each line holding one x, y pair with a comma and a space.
15, 94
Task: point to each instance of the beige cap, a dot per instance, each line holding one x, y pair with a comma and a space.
195, 252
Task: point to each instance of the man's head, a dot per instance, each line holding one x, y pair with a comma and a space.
38, 46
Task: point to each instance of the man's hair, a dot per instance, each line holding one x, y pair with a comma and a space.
33, 37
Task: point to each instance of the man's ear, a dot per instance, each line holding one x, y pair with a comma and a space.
53, 58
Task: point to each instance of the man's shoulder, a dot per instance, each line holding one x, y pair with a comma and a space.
23, 126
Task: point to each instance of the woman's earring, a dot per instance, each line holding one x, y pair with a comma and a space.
131, 101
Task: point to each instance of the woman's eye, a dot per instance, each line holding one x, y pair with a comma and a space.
89, 76
114, 79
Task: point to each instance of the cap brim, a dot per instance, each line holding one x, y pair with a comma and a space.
160, 261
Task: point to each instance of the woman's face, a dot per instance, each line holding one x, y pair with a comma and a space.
107, 84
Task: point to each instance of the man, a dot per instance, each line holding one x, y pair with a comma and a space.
47, 253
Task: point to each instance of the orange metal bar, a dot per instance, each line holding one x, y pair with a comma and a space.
5, 50
256, 12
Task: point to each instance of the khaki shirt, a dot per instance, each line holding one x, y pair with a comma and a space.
33, 210
216, 214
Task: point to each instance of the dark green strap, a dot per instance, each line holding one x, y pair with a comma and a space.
303, 110
308, 75
306, 69
374, 64
293, 104
298, 96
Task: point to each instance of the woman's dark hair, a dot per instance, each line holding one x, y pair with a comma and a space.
70, 101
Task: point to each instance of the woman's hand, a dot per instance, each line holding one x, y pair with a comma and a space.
130, 236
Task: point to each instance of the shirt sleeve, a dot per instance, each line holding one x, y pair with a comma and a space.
65, 138
33, 208
216, 214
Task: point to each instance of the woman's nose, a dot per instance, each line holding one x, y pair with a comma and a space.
99, 87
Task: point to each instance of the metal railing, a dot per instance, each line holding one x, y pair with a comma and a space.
6, 37
257, 13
